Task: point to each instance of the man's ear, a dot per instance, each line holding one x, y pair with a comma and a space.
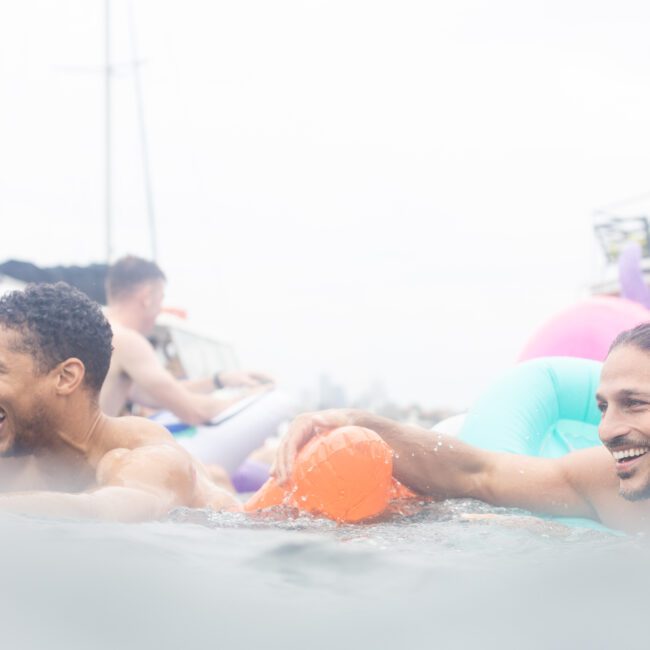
143, 294
69, 374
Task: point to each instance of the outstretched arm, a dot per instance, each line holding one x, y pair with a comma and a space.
109, 503
158, 387
443, 467
134, 485
229, 379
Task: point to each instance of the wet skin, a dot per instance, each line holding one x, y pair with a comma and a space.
624, 401
136, 373
77, 462
610, 483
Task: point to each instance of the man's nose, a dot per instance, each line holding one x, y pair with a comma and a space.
613, 425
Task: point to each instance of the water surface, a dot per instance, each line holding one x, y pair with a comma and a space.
449, 575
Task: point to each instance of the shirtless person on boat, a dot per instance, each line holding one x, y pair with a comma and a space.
610, 484
60, 455
135, 289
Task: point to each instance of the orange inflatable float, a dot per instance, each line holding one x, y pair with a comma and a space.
345, 474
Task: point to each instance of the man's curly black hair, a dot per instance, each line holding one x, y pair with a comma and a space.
56, 322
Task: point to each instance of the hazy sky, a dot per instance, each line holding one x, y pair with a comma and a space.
392, 190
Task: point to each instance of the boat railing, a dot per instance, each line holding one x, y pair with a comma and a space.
614, 232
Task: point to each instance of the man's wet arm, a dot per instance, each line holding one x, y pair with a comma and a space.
107, 504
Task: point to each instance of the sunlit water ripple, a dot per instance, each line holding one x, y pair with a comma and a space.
446, 575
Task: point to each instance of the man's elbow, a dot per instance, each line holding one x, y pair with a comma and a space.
191, 409
130, 506
194, 415
193, 419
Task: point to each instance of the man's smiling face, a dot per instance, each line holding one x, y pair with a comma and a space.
624, 401
23, 398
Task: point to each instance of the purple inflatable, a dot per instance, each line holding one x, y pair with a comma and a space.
250, 476
630, 275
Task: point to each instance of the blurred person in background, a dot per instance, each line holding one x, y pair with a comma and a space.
225, 429
135, 289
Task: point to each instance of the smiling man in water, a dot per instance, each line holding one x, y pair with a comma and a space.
610, 483
60, 455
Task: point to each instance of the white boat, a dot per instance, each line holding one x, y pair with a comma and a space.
614, 233
189, 351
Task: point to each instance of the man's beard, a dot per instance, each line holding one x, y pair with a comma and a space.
32, 433
636, 495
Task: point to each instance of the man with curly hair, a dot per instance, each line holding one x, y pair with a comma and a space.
61, 455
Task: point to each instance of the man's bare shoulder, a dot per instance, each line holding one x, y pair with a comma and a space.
130, 432
132, 351
145, 454
126, 336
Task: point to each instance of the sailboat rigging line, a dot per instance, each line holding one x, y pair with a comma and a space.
144, 145
107, 132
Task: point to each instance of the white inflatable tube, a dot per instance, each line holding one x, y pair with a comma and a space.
237, 431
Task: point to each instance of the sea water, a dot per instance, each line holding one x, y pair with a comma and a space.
456, 574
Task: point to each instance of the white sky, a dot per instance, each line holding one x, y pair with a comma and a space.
393, 190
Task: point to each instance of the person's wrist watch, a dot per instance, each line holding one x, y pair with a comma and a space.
217, 381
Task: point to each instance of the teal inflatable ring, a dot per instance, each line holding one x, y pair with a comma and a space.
545, 407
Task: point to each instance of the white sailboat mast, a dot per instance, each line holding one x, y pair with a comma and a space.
108, 134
